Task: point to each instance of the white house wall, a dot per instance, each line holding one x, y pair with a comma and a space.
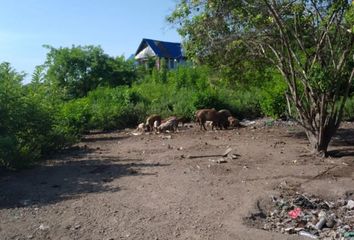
145, 53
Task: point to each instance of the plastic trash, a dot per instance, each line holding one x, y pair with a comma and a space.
295, 213
307, 234
349, 235
320, 224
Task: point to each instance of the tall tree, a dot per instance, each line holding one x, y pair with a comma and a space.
310, 42
80, 69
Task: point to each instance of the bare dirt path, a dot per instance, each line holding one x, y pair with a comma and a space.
120, 186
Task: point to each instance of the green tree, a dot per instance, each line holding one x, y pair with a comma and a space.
23, 124
33, 121
80, 69
310, 42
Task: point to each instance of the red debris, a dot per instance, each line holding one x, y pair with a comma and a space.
295, 213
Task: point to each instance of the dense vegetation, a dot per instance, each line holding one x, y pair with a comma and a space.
78, 89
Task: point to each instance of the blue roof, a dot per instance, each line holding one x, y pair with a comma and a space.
162, 49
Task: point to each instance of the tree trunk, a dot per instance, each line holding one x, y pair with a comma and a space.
320, 139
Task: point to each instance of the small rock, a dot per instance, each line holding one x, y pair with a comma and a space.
322, 214
132, 171
298, 229
346, 227
350, 204
289, 229
331, 221
266, 226
43, 227
221, 161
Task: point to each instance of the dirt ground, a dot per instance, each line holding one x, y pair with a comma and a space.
121, 186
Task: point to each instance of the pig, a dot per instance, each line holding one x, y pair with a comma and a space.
233, 122
182, 120
150, 122
141, 127
203, 115
224, 114
168, 124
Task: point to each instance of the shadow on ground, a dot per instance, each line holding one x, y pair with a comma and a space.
343, 137
299, 134
66, 179
93, 138
343, 141
343, 152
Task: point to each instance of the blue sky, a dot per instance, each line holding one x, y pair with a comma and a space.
116, 25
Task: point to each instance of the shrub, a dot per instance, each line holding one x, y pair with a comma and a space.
33, 122
184, 103
113, 108
189, 88
104, 108
244, 103
24, 124
349, 109
74, 116
272, 97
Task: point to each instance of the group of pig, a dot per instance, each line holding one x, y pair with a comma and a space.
218, 119
155, 123
221, 119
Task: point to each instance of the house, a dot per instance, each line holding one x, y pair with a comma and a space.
171, 52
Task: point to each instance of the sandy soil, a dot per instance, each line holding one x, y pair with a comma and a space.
119, 186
